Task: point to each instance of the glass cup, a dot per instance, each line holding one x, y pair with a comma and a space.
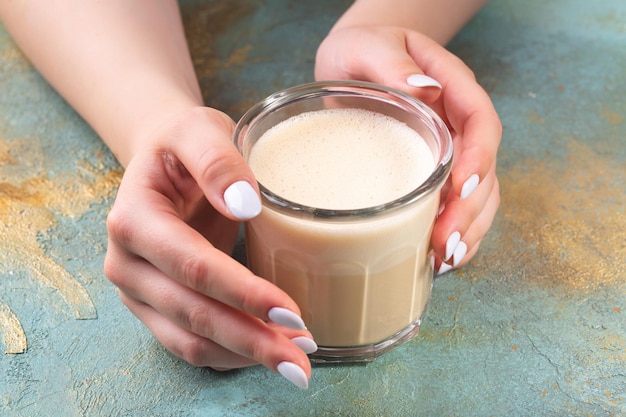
362, 277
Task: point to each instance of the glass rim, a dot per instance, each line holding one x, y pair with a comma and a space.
356, 89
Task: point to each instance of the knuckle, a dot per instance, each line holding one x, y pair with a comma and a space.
194, 273
219, 159
262, 347
120, 225
249, 300
256, 350
198, 320
218, 165
112, 271
193, 350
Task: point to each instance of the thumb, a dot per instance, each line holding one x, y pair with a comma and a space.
395, 68
379, 56
205, 148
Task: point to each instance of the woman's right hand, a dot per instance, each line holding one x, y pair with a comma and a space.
171, 230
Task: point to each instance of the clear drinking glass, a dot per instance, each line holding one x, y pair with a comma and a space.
361, 277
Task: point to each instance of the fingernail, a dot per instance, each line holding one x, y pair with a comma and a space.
443, 268
306, 344
459, 254
451, 244
421, 80
286, 317
294, 374
469, 186
242, 200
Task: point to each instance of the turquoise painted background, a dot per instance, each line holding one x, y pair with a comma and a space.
534, 325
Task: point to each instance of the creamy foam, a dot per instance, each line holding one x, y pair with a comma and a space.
341, 159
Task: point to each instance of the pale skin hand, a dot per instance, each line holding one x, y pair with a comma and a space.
373, 42
168, 251
125, 67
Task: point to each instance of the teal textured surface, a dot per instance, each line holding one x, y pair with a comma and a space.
534, 325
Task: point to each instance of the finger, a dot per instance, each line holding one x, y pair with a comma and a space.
468, 110
194, 263
205, 149
190, 347
481, 225
477, 152
475, 233
450, 234
143, 223
195, 349
261, 346
209, 333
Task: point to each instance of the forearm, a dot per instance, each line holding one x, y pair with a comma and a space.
438, 19
123, 65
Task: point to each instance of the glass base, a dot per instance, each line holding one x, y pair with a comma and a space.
365, 353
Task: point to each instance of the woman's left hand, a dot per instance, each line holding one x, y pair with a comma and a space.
411, 62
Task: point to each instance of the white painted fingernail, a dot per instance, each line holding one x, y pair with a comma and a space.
286, 317
242, 200
459, 253
451, 244
469, 186
293, 373
421, 80
306, 344
443, 268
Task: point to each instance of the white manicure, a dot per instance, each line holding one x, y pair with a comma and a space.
459, 253
421, 80
286, 317
307, 345
242, 200
294, 374
469, 186
451, 244
443, 268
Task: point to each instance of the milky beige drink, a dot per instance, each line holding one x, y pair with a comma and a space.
349, 201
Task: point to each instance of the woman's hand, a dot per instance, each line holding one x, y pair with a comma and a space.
409, 61
171, 230
185, 189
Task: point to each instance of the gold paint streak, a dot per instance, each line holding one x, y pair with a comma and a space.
536, 118
569, 218
239, 56
12, 56
12, 333
4, 153
205, 23
610, 116
28, 209
614, 344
